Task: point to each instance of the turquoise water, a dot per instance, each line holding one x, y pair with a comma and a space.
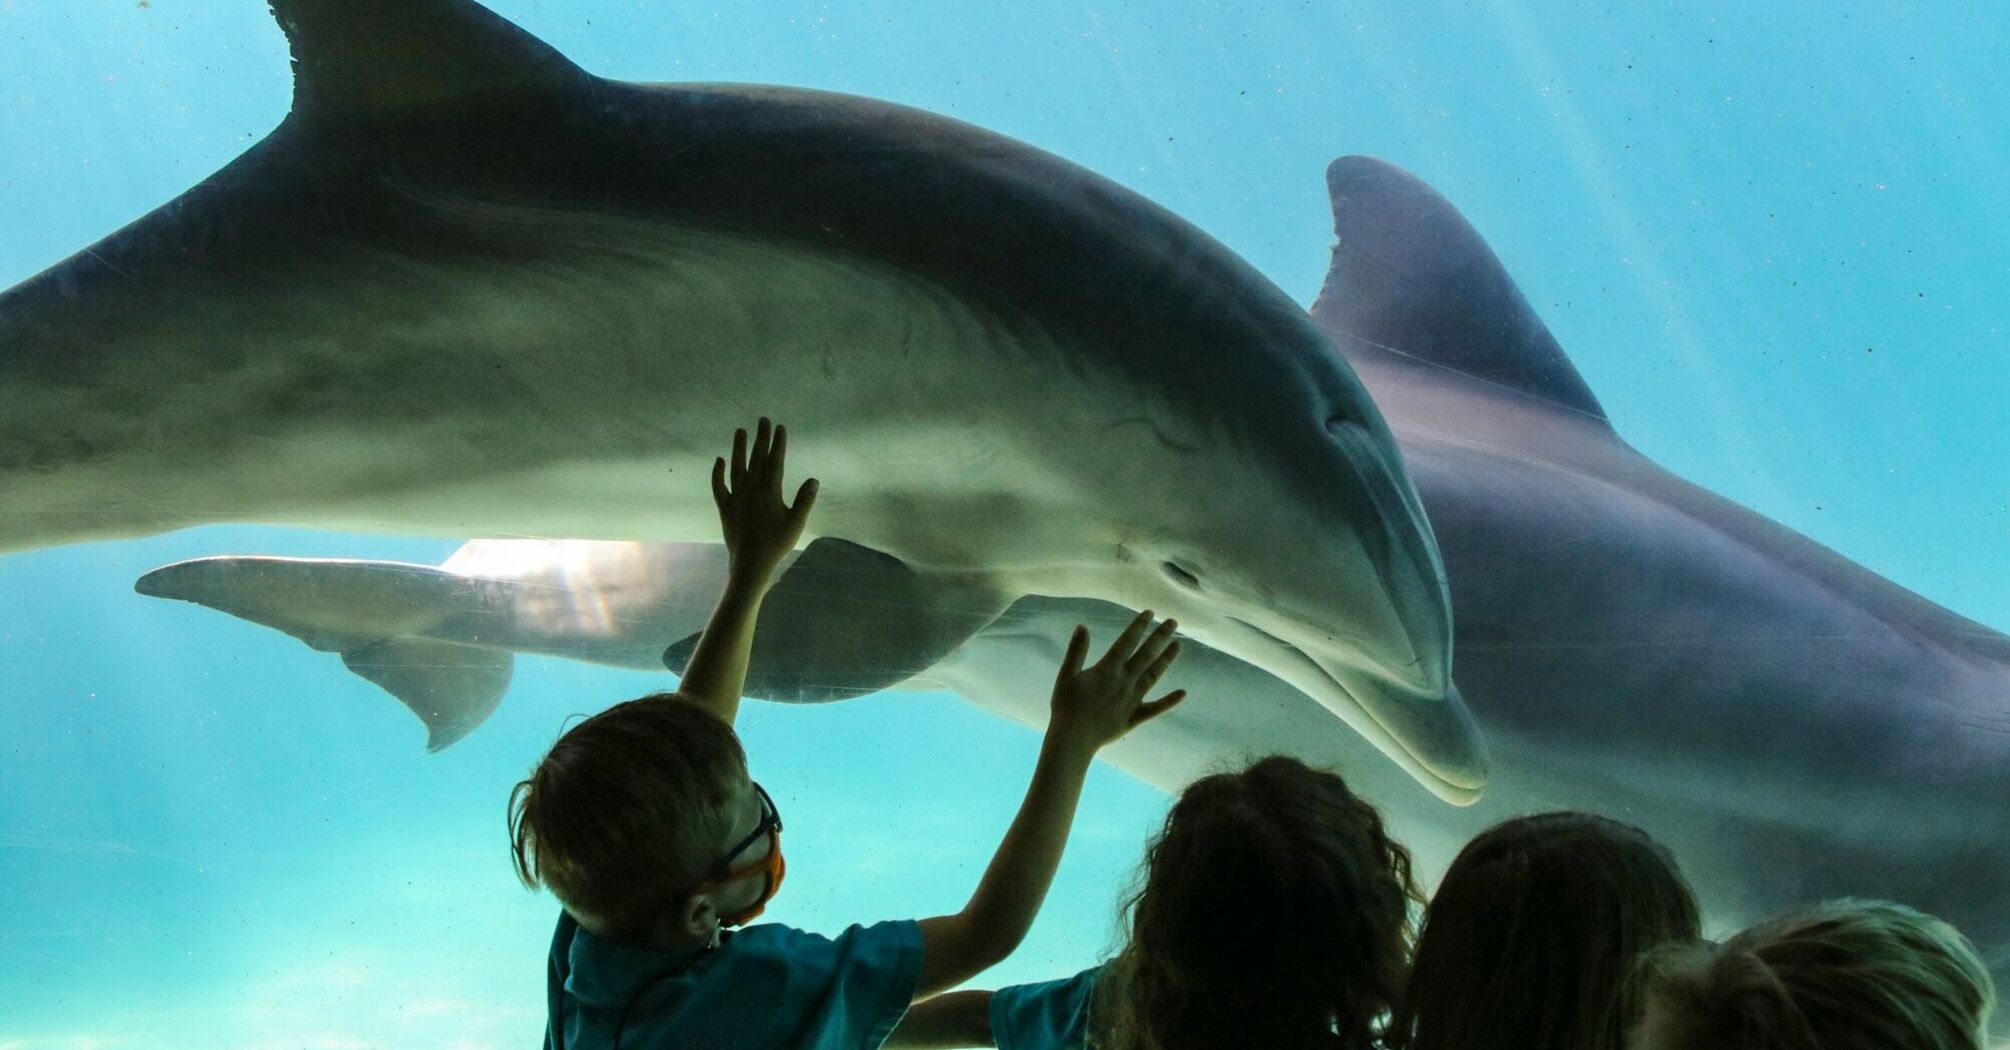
1771, 241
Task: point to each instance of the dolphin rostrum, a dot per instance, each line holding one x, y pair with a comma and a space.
1791, 724
467, 288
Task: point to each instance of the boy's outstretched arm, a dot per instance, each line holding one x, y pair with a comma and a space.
760, 531
957, 1019
1091, 707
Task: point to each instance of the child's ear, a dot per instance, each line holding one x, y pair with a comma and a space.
697, 917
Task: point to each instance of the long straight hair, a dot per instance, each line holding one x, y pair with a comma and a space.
1529, 940
1273, 912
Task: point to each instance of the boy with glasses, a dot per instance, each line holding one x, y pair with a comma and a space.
643, 822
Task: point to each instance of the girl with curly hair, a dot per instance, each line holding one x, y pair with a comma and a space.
1273, 911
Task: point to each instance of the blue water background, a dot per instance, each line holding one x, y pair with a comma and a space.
1772, 236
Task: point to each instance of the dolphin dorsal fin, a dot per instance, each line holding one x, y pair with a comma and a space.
1411, 276
360, 59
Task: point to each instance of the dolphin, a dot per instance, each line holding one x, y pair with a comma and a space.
1797, 726
1791, 724
466, 287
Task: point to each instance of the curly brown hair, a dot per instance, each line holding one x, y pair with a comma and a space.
1274, 911
622, 814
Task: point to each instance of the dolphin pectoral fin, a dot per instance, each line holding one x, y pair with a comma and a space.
452, 688
359, 59
847, 620
1411, 277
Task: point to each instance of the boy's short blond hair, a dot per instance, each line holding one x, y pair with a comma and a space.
621, 817
1841, 975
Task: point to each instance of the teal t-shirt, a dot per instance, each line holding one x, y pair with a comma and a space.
1051, 1015
766, 986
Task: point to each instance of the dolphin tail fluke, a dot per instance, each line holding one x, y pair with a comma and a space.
368, 59
373, 614
846, 620
1410, 277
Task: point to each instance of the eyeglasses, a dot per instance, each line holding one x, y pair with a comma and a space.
772, 866
771, 823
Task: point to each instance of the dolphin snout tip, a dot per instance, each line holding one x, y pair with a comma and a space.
1462, 787
1440, 736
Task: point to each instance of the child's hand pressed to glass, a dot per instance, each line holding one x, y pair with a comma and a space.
1097, 704
760, 530
1092, 705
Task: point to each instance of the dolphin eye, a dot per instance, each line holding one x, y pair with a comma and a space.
1180, 575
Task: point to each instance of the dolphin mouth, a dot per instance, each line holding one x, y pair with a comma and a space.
1431, 736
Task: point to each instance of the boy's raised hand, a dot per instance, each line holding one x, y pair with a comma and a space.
1097, 704
760, 529
1092, 706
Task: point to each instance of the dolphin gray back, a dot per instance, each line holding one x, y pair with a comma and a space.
433, 133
